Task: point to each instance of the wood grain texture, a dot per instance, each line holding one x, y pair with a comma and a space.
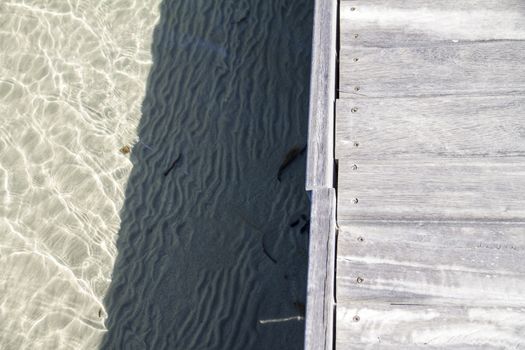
430, 263
432, 48
385, 326
320, 162
442, 285
455, 69
387, 128
321, 272
398, 23
319, 330
430, 138
438, 189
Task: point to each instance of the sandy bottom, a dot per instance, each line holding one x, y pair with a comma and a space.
72, 80
189, 241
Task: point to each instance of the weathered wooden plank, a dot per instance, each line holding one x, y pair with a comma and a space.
454, 69
385, 326
438, 189
322, 96
439, 127
321, 272
430, 141
430, 285
319, 329
422, 263
396, 23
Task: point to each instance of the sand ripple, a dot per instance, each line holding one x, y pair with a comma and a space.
228, 93
193, 266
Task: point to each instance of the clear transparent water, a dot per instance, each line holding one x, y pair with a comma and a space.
99, 248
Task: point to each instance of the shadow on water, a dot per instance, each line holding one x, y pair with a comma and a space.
212, 249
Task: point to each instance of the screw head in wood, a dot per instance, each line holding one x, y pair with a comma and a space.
352, 8
360, 239
356, 59
356, 36
356, 144
354, 109
354, 167
355, 200
357, 88
356, 318
359, 280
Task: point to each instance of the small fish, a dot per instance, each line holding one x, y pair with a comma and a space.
295, 223
292, 155
172, 166
302, 218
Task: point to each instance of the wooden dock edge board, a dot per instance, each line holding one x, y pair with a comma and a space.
320, 164
320, 304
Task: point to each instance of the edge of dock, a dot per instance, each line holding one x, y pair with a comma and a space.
320, 308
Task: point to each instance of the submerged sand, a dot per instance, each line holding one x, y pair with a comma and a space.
101, 248
73, 77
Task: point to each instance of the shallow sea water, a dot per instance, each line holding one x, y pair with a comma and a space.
100, 249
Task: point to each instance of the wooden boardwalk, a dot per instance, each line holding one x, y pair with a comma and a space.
430, 190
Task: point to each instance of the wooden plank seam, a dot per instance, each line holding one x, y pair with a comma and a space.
320, 311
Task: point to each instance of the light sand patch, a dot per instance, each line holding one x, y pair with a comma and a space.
72, 80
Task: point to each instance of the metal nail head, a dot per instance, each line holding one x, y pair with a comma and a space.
354, 110
354, 167
355, 200
360, 280
356, 318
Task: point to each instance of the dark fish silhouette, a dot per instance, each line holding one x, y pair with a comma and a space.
172, 166
306, 227
298, 221
292, 155
295, 223
300, 307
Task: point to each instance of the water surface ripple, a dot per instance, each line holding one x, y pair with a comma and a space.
72, 81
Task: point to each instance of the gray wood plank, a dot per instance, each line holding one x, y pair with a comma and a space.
431, 285
430, 140
429, 128
437, 189
322, 96
389, 23
422, 263
385, 326
454, 69
321, 272
319, 329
